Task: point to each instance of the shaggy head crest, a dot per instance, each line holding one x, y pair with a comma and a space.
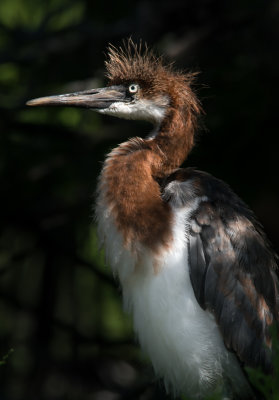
132, 62
136, 63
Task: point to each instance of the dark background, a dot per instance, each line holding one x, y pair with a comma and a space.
60, 309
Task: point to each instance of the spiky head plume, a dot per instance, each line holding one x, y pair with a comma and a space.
136, 63
133, 63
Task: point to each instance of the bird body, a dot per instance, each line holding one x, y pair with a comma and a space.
196, 270
182, 339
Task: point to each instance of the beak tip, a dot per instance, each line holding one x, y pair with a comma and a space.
33, 102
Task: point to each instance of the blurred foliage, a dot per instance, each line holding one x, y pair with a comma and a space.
6, 356
60, 309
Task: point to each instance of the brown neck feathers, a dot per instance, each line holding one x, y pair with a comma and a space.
129, 180
175, 139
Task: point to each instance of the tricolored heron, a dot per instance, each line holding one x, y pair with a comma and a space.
196, 270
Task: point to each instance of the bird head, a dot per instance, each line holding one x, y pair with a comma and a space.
140, 87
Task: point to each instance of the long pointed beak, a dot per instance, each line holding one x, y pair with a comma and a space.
95, 98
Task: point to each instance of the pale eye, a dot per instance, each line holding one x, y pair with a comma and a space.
133, 88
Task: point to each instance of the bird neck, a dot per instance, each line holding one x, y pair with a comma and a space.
174, 141
129, 186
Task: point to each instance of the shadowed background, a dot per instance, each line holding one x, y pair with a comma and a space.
60, 309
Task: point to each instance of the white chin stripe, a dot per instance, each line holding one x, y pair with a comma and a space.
146, 110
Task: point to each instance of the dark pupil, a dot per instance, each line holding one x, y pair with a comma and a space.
132, 88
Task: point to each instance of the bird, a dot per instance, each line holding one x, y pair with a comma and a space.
197, 272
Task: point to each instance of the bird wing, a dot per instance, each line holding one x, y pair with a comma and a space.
231, 266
